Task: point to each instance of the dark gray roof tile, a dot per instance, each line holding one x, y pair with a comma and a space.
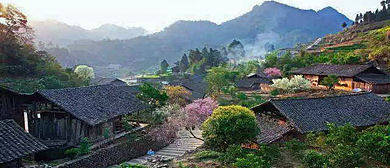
332, 69
313, 114
95, 104
16, 143
374, 78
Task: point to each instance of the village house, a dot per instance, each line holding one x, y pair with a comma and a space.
11, 105
365, 77
64, 116
109, 81
195, 84
253, 81
285, 119
16, 144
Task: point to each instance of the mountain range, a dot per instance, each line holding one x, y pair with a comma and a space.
58, 33
270, 22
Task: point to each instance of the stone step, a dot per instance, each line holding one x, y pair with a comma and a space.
175, 149
137, 161
172, 152
165, 154
182, 148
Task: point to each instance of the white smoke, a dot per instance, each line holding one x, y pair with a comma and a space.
257, 49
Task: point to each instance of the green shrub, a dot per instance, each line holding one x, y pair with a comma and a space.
232, 153
296, 147
268, 152
230, 125
330, 81
252, 161
345, 134
242, 96
71, 153
125, 165
314, 159
375, 143
85, 146
317, 140
208, 155
346, 156
275, 92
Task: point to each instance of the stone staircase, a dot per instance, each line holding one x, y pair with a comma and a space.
183, 144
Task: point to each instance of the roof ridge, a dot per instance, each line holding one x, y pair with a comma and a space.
332, 96
72, 88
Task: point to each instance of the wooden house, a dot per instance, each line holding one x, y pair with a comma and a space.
16, 144
286, 119
365, 77
109, 81
65, 116
11, 105
253, 82
195, 84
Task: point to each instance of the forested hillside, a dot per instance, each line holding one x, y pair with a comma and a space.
269, 23
22, 67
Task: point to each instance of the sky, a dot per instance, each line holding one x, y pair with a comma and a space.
154, 15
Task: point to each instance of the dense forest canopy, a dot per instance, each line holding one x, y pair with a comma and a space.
21, 63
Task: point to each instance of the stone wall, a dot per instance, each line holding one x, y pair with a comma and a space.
115, 154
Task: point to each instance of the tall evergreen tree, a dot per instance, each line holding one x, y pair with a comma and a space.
344, 25
164, 66
357, 19
195, 56
184, 64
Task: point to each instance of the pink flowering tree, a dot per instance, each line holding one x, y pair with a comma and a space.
192, 115
197, 112
272, 72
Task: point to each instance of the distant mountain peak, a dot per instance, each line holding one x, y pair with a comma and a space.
328, 9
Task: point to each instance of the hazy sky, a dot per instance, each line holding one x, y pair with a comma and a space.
154, 15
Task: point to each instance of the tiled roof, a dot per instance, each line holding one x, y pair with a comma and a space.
250, 82
16, 143
257, 75
374, 78
108, 81
313, 114
332, 69
271, 129
195, 85
94, 104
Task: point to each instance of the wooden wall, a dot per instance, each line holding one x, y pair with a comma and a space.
345, 84
314, 79
10, 107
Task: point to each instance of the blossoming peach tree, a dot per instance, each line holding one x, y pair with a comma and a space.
189, 117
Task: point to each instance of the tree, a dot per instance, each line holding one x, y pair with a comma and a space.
273, 72
85, 72
220, 78
14, 25
177, 94
153, 96
230, 125
330, 81
184, 64
197, 112
195, 56
164, 66
357, 19
193, 115
344, 25
246, 68
236, 50
295, 84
